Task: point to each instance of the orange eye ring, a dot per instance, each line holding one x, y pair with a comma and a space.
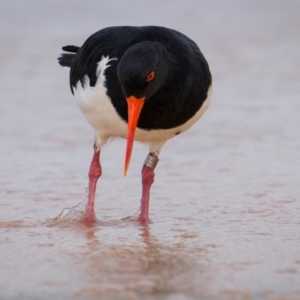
150, 76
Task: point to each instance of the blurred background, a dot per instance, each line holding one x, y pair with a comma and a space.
225, 206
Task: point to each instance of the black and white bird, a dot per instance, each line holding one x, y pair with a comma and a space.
145, 84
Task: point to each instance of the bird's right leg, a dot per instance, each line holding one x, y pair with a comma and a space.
94, 174
147, 180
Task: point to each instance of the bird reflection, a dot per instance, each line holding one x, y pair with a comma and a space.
133, 266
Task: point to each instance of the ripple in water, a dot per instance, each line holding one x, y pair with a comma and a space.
75, 213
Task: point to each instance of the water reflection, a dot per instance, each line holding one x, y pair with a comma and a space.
144, 269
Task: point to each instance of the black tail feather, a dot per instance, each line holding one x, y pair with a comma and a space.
66, 59
70, 48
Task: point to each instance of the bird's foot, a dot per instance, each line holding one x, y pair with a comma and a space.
90, 217
89, 220
143, 219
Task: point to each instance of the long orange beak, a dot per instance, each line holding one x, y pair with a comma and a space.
134, 109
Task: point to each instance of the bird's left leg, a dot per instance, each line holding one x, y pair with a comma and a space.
147, 180
94, 174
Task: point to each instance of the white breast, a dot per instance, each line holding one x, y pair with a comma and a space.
100, 113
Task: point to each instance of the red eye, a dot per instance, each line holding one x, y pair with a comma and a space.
150, 76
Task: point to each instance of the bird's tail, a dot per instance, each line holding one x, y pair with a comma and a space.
66, 59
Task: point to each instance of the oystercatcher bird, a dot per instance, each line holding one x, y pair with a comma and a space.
146, 84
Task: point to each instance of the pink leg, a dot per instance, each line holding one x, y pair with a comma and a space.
94, 173
147, 180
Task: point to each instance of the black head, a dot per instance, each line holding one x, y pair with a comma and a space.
143, 69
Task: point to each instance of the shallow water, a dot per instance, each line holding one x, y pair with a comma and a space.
225, 207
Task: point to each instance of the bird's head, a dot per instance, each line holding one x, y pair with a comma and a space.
142, 71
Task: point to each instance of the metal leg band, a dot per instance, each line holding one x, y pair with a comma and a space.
151, 161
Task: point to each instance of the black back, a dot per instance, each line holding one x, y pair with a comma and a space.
176, 101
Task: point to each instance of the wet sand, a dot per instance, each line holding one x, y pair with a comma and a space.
225, 205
